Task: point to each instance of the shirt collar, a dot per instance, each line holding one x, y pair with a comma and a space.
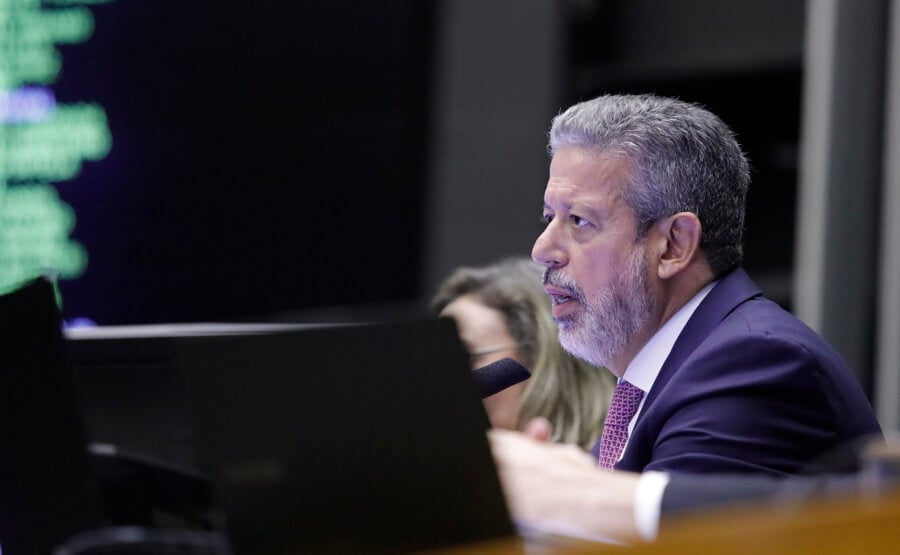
645, 366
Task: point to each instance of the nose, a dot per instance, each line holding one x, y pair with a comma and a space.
547, 250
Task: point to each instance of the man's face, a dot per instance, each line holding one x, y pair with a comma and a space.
596, 270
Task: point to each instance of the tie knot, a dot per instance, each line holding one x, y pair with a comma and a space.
625, 401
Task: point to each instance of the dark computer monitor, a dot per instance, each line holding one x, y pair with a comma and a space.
232, 132
362, 438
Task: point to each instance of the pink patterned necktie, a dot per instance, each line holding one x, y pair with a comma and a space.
625, 401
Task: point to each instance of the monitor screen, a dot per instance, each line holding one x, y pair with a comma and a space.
214, 160
362, 438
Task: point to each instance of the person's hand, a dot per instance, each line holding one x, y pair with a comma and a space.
558, 489
539, 429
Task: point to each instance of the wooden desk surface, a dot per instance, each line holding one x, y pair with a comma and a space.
827, 527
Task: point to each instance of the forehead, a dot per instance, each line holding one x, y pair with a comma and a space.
591, 177
478, 324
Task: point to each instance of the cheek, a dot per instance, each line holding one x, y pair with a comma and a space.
594, 271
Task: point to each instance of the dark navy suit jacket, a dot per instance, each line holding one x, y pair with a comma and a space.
747, 388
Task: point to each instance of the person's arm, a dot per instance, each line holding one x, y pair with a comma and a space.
693, 492
558, 489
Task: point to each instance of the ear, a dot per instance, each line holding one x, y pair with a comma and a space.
679, 236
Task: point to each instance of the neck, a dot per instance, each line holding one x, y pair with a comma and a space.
620, 361
670, 296
675, 292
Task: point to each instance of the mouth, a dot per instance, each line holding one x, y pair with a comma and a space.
558, 295
562, 301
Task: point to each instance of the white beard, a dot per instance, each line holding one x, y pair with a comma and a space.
610, 319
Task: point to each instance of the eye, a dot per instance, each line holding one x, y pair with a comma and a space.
547, 218
578, 221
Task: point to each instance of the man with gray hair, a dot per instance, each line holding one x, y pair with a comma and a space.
644, 213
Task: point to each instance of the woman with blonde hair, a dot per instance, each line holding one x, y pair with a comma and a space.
501, 310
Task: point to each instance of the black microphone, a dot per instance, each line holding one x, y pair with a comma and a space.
498, 375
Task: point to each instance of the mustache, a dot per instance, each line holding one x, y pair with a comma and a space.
555, 278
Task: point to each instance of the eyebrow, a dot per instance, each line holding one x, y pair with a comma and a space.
566, 205
585, 209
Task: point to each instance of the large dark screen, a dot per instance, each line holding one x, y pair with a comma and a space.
265, 156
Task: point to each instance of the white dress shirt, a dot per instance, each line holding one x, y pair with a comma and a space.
642, 372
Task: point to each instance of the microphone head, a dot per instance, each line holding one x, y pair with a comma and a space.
497, 376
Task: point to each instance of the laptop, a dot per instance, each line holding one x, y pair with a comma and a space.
354, 439
47, 492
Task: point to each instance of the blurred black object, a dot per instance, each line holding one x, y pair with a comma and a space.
46, 489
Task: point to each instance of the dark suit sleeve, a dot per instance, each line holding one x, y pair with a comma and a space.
693, 492
754, 403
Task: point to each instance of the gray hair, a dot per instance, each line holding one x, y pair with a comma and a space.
682, 157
